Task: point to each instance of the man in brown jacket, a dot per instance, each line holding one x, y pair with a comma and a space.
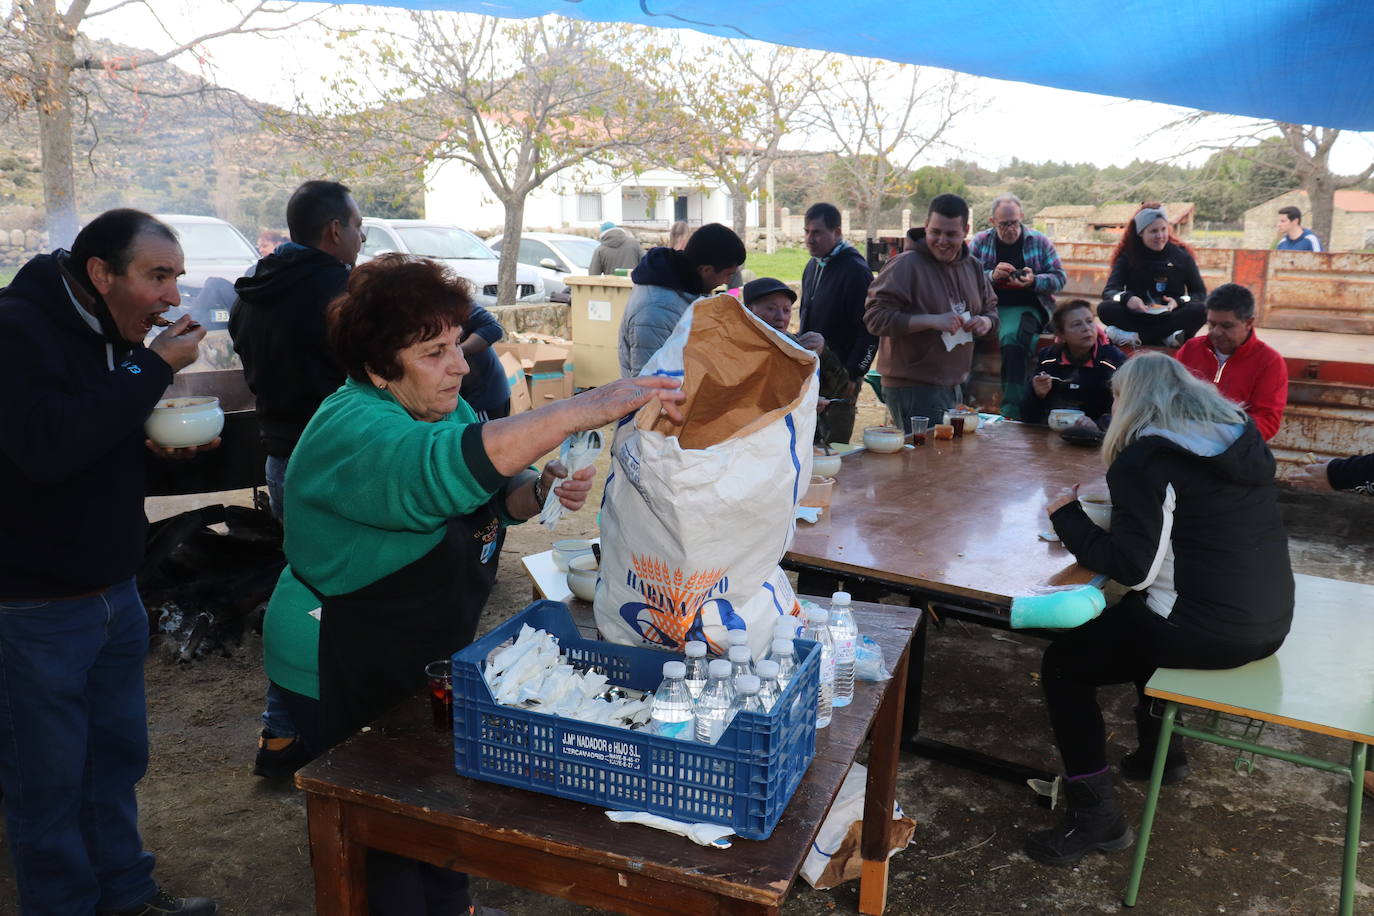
925, 307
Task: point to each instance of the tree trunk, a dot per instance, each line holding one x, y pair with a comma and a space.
1321, 195
510, 248
872, 213
52, 100
739, 207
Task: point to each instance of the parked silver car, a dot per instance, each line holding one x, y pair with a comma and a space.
554, 255
216, 255
460, 249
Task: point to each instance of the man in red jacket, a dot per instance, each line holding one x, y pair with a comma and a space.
1243, 367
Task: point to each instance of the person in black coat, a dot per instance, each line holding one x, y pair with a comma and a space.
834, 289
1197, 536
1154, 294
1074, 372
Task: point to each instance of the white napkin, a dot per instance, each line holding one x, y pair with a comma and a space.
578, 451
953, 339
712, 835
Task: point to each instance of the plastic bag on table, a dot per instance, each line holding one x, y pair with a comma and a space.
834, 857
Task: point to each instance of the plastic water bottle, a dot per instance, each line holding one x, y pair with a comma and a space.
737, 637
769, 691
818, 631
696, 667
786, 627
747, 695
673, 713
741, 661
785, 654
713, 709
846, 635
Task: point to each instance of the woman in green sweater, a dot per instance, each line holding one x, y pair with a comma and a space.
393, 499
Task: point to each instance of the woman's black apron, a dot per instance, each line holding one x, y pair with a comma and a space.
376, 641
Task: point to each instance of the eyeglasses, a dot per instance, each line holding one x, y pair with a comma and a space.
1008, 224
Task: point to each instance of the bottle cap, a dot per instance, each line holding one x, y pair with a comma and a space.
817, 615
747, 683
767, 669
674, 669
840, 598
737, 637
695, 649
788, 623
719, 667
783, 647
740, 654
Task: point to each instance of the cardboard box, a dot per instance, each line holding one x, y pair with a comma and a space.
519, 388
548, 369
598, 308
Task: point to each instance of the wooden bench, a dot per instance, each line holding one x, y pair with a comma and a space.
1321, 681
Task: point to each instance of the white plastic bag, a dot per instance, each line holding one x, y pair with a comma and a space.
697, 515
835, 857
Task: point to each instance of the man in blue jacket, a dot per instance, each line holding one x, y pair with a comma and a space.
834, 288
73, 632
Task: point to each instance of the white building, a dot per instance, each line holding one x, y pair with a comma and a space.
583, 198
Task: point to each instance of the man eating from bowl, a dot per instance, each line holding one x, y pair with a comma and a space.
73, 632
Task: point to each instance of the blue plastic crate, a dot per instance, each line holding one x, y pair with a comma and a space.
745, 780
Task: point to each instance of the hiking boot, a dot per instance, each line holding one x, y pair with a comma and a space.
1137, 764
1093, 821
280, 758
163, 904
1122, 339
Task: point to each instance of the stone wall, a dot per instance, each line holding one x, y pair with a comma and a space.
550, 318
18, 245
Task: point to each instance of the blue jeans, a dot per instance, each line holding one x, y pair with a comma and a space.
276, 715
275, 471
73, 744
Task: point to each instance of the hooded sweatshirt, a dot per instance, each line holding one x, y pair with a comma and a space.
278, 327
665, 284
619, 250
72, 458
916, 283
832, 303
1196, 527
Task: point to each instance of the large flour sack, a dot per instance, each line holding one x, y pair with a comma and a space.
697, 515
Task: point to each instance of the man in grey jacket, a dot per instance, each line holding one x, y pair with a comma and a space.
666, 282
619, 250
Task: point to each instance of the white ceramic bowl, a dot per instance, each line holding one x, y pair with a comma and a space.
582, 576
564, 551
185, 422
1100, 513
825, 465
883, 439
1064, 417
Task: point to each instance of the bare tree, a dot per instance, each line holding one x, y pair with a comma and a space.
516, 101
883, 117
45, 66
742, 100
1307, 163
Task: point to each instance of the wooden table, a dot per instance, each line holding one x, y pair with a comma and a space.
954, 525
394, 788
1321, 680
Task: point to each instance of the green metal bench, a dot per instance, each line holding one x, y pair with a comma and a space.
1321, 681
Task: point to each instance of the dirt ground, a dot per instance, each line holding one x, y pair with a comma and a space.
1225, 841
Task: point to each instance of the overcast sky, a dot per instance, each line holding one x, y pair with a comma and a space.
1028, 122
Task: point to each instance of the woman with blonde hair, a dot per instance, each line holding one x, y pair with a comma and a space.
1197, 537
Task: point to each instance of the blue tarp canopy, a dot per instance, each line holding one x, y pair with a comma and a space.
1303, 61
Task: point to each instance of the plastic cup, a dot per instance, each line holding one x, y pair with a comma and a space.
919, 426
439, 679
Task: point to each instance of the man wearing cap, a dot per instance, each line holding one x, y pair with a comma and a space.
771, 300
619, 250
1294, 237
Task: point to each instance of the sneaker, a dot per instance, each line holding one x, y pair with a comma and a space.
162, 904
1122, 339
280, 758
1174, 340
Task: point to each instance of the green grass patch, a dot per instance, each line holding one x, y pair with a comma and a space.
786, 264
7, 274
